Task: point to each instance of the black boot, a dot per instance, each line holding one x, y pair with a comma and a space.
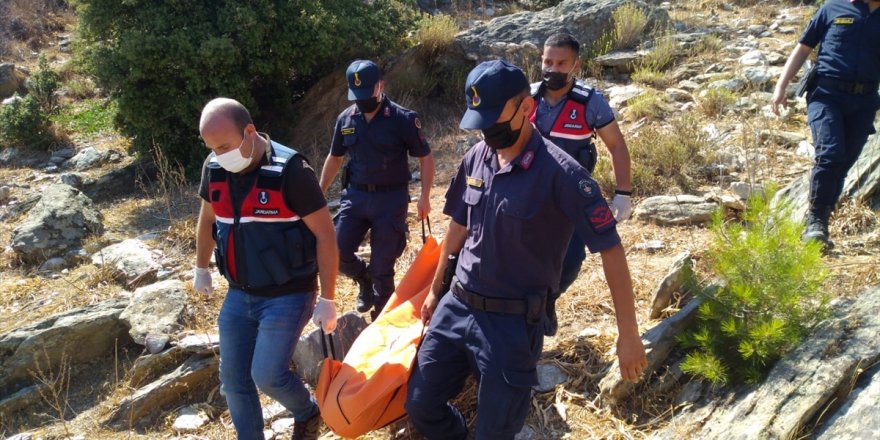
817, 225
551, 324
365, 292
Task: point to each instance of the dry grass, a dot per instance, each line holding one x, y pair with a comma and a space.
650, 104
435, 35
715, 101
28, 25
629, 25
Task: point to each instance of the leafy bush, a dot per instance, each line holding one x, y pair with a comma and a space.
162, 61
663, 159
42, 86
23, 124
770, 299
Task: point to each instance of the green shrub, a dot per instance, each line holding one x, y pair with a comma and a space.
24, 125
769, 300
42, 86
162, 61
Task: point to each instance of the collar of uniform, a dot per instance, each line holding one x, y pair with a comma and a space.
525, 160
526, 157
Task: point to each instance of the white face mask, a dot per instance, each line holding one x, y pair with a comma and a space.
233, 161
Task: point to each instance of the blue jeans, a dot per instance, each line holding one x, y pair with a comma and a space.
257, 339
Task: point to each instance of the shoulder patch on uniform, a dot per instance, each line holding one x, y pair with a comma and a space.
600, 217
844, 20
387, 111
475, 182
588, 188
527, 159
347, 130
418, 123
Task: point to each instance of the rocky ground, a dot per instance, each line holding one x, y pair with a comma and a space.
100, 336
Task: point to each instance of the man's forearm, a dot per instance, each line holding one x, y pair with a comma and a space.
328, 265
204, 239
793, 64
329, 171
620, 285
426, 165
621, 162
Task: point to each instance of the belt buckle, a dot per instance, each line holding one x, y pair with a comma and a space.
371, 187
858, 88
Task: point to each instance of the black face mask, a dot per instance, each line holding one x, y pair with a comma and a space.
500, 135
368, 105
555, 80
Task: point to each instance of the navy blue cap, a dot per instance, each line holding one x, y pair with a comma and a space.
362, 77
487, 89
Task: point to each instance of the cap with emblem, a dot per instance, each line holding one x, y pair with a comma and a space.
487, 89
362, 77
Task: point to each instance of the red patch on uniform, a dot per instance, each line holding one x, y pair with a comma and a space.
527, 159
601, 217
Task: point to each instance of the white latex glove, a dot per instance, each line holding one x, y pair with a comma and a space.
202, 280
621, 207
325, 315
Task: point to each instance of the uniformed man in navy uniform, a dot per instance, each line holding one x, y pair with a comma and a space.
842, 101
514, 203
570, 113
266, 220
378, 135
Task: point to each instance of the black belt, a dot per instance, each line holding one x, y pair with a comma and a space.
369, 187
851, 87
486, 304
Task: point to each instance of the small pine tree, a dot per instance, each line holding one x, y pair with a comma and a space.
770, 297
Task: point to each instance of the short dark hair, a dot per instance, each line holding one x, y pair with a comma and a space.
561, 39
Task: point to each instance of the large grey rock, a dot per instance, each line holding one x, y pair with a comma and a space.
156, 309
858, 418
674, 281
798, 387
659, 342
862, 182
56, 224
132, 261
676, 210
120, 181
149, 367
507, 36
81, 335
189, 383
623, 61
88, 157
11, 80
28, 397
309, 355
